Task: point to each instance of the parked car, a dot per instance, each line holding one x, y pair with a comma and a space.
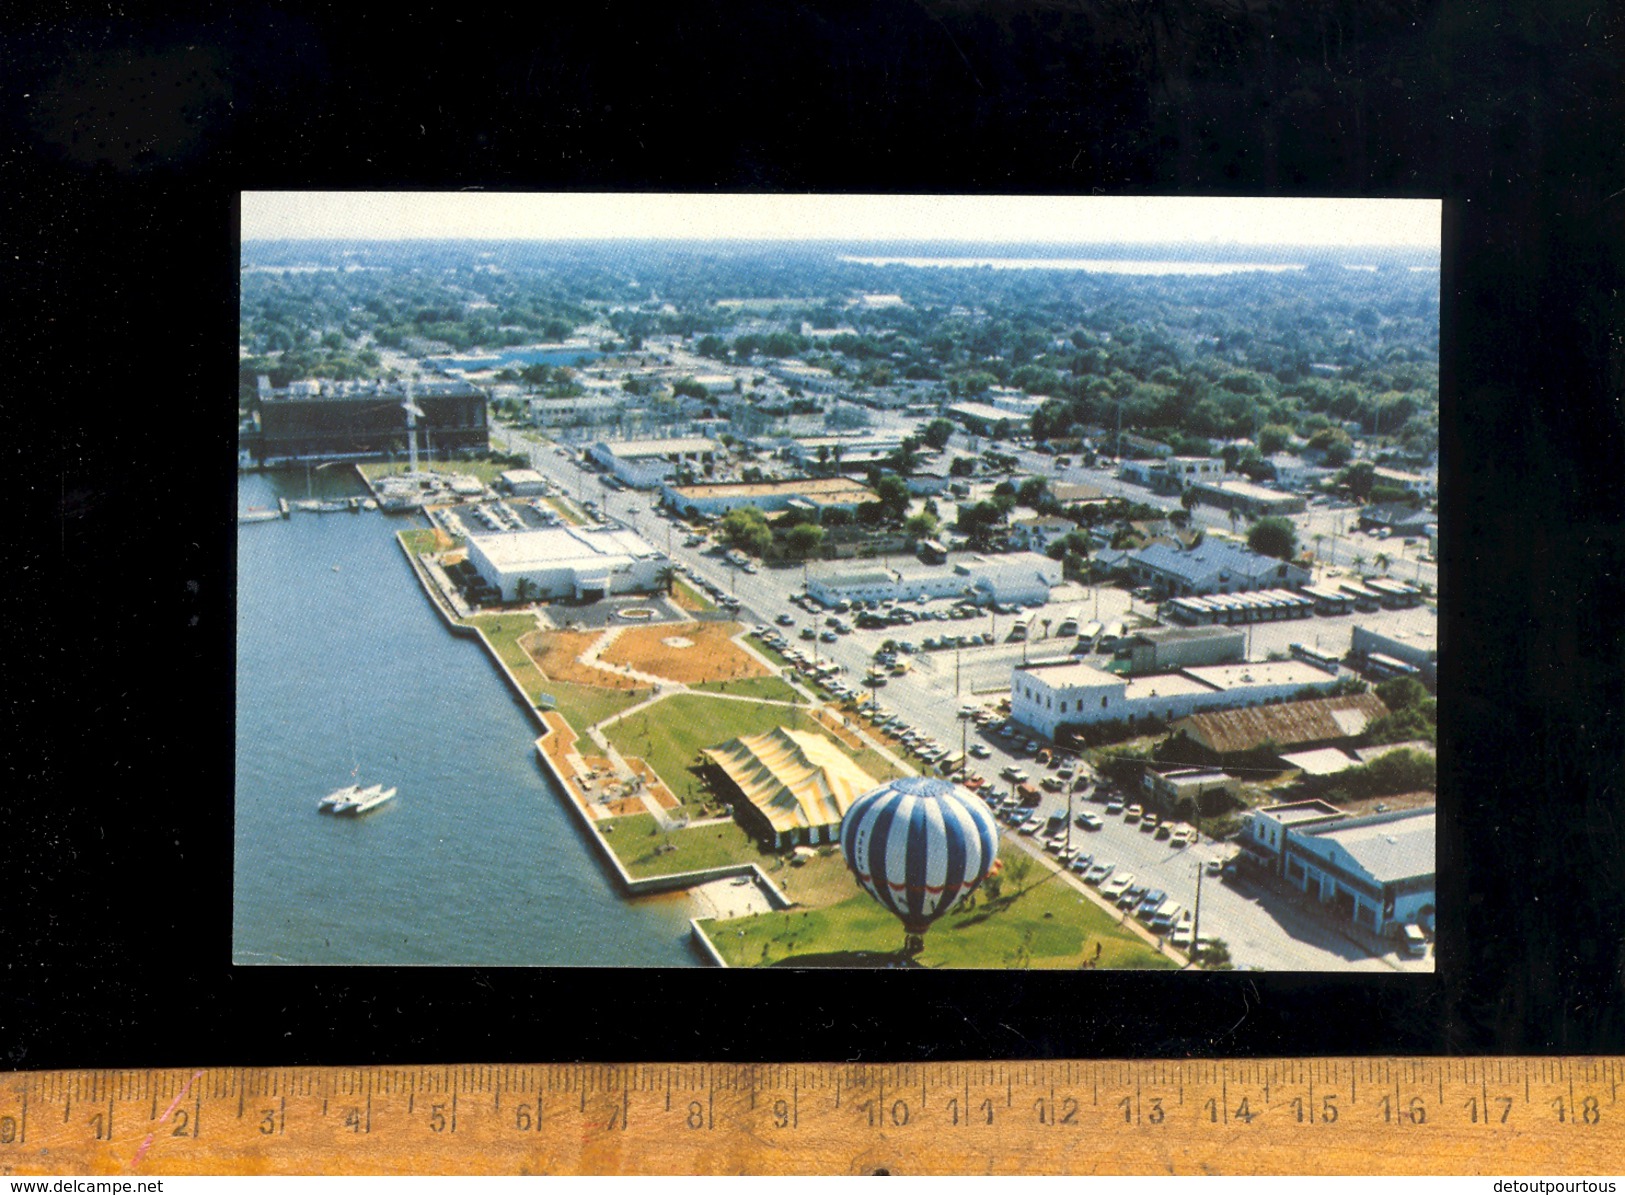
1132, 814
1114, 806
1089, 821
1099, 872
980, 750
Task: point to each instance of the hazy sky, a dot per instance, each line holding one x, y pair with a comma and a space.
479, 215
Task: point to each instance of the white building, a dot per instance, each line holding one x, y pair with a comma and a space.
812, 493
1378, 870
1017, 578
567, 562
524, 483
800, 374
644, 464
1045, 697
1039, 531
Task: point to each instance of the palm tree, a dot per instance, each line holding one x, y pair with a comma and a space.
667, 577
1359, 565
1235, 517
1319, 539
524, 589
1383, 561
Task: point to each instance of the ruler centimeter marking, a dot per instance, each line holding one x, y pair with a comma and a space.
1401, 1116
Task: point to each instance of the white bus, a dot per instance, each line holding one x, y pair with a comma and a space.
1069, 624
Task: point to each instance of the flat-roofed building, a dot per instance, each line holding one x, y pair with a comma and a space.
523, 483
793, 787
595, 406
644, 464
1162, 649
986, 419
1423, 485
1173, 474
804, 376
1016, 578
814, 493
566, 563
1253, 500
1415, 641
871, 584
1046, 697
1069, 493
316, 420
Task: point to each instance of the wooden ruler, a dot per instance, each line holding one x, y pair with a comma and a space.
1323, 1116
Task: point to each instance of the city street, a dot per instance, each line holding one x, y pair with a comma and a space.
1261, 930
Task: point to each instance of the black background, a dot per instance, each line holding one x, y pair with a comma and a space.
130, 139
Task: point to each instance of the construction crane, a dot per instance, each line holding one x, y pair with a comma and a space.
412, 412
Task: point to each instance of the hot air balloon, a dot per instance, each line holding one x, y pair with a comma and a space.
919, 845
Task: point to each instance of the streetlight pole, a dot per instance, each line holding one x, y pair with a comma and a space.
956, 672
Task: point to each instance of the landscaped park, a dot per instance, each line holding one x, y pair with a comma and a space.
630, 711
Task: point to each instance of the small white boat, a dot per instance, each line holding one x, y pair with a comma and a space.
346, 796
309, 504
368, 800
258, 516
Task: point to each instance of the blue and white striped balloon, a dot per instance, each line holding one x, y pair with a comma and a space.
918, 845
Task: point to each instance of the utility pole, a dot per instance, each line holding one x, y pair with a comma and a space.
956, 672
1196, 914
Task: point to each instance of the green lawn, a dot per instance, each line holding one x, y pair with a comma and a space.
565, 513
587, 705
669, 735
1048, 925
502, 632
692, 599
636, 841
781, 660
419, 540
768, 688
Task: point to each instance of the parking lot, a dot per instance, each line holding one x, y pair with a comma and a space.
1261, 929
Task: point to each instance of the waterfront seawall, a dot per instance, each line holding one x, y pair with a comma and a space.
632, 886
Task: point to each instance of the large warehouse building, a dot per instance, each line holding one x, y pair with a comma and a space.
313, 420
812, 493
567, 562
645, 464
793, 786
1046, 697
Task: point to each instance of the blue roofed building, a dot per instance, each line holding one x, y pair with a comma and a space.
1213, 566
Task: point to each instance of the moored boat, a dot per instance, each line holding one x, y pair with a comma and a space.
368, 800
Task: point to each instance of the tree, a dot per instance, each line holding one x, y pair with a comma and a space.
893, 491
1032, 492
1273, 537
804, 540
937, 433
1383, 560
667, 577
1320, 538
1188, 499
1358, 478
524, 589
921, 526
1273, 438
745, 528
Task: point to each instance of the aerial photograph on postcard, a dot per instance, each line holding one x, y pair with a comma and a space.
672, 580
